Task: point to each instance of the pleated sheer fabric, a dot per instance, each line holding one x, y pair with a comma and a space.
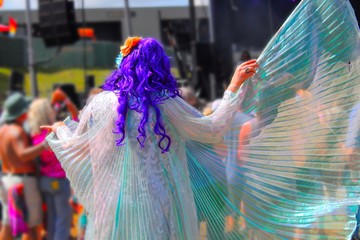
277, 160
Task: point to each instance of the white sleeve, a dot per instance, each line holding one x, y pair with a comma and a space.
207, 129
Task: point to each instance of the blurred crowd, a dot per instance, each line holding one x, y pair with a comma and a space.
36, 198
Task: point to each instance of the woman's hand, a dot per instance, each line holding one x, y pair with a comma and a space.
242, 73
53, 127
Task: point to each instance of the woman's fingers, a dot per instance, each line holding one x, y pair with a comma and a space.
47, 127
53, 127
254, 65
248, 67
249, 62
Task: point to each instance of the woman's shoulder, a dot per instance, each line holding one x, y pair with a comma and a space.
110, 95
101, 105
105, 98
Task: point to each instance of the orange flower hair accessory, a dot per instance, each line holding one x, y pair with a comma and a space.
129, 44
126, 48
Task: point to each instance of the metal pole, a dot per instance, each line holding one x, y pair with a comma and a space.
127, 18
193, 42
212, 76
84, 40
31, 66
211, 21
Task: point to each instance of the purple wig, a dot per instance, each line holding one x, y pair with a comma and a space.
141, 82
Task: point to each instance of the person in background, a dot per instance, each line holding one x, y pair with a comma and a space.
18, 165
245, 56
2, 189
231, 162
2, 194
58, 99
53, 182
189, 95
93, 92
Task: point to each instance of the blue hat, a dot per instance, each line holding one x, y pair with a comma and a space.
14, 106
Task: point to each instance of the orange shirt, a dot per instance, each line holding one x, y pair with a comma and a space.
11, 136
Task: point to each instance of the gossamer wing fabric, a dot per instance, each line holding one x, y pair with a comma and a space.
283, 166
292, 171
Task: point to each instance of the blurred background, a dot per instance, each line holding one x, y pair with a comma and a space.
76, 42
72, 44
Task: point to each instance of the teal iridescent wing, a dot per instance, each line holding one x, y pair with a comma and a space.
289, 173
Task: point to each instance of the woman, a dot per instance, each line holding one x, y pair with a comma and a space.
53, 183
128, 152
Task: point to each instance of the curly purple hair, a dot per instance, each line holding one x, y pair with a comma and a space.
143, 81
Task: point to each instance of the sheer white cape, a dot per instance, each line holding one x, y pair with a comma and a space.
292, 175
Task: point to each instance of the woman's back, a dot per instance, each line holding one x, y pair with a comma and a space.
147, 192
150, 193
